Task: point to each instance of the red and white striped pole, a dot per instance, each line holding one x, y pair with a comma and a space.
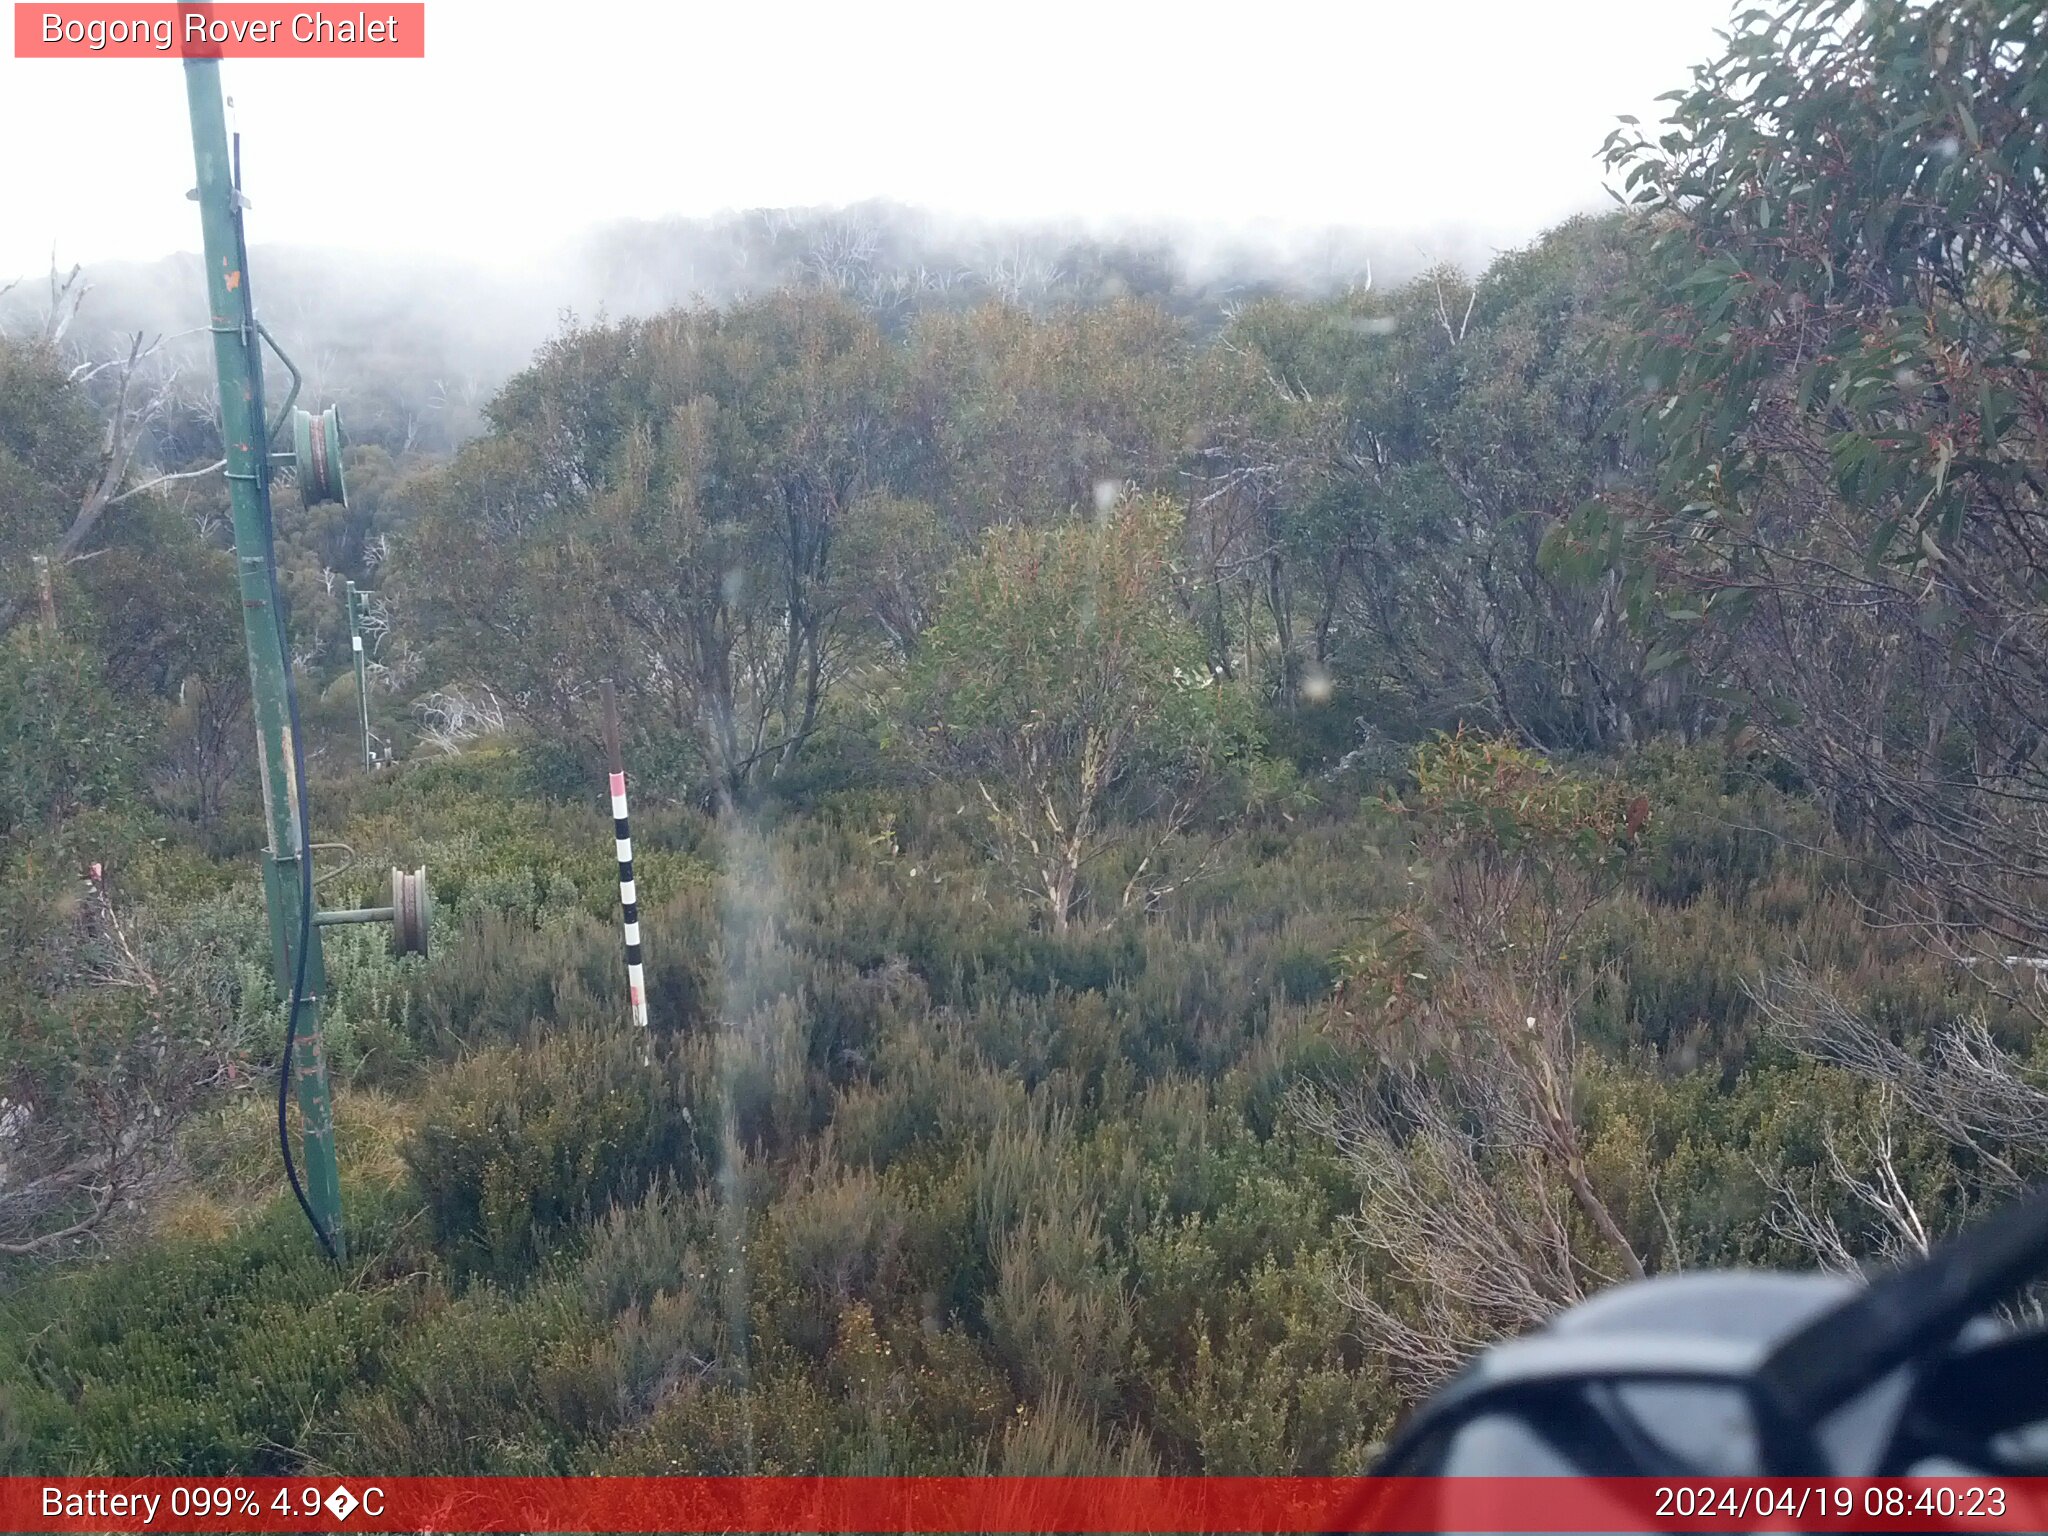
629, 895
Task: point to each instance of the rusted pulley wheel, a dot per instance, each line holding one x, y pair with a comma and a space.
411, 911
317, 443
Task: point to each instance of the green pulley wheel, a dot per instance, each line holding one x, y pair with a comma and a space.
317, 442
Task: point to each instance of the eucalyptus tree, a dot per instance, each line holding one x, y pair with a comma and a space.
1024, 416
1382, 472
1842, 340
663, 500
1061, 680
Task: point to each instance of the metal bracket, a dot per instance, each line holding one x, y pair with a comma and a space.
284, 413
342, 870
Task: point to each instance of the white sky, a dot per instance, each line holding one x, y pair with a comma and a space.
528, 122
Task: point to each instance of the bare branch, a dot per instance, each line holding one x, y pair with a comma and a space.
1969, 1089
168, 479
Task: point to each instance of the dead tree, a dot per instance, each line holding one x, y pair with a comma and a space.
1468, 1142
1959, 1082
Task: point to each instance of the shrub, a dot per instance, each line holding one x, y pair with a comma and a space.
516, 1146
1060, 1316
837, 1241
195, 1357
481, 1383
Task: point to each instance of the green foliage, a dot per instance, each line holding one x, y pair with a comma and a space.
1027, 416
1489, 793
671, 488
1060, 679
192, 1358
67, 743
490, 1384
1859, 184
518, 1144
1072, 628
1837, 323
971, 1168
48, 449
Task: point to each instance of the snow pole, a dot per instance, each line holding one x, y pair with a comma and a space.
355, 644
629, 895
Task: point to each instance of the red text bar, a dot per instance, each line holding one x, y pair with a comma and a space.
1080, 1506
217, 31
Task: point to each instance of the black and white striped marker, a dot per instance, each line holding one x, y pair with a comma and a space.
629, 894
629, 900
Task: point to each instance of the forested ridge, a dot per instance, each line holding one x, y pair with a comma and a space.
1202, 856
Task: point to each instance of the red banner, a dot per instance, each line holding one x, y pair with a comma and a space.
224, 30
1078, 1505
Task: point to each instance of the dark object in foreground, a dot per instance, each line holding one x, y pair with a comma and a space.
1748, 1374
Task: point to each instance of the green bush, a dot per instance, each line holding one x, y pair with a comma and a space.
517, 1145
65, 742
197, 1357
483, 1383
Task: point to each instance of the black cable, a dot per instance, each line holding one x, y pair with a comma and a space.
302, 824
305, 940
305, 943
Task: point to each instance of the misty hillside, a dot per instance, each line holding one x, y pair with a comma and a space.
415, 347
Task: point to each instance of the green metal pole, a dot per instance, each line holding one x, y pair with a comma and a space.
355, 644
245, 441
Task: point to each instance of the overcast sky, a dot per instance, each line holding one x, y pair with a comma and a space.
529, 122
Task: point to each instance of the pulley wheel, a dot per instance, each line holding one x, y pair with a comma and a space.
317, 443
411, 911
